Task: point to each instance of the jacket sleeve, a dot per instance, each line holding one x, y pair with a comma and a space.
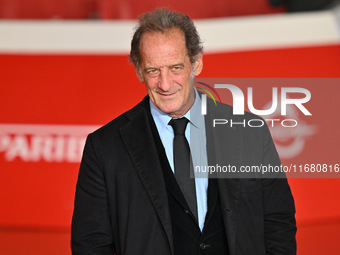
91, 225
278, 204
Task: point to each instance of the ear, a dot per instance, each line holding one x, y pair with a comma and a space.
198, 65
139, 74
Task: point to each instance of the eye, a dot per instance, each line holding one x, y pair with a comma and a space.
152, 72
176, 69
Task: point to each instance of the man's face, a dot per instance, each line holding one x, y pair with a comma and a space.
167, 71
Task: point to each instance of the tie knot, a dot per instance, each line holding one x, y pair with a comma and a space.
179, 125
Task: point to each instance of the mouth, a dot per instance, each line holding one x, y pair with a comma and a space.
166, 95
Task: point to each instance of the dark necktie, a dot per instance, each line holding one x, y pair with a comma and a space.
183, 163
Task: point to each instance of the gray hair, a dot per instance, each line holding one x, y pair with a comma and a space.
161, 20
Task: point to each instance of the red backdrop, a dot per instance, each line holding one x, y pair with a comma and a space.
69, 91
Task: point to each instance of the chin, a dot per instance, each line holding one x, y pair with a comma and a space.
166, 106
168, 110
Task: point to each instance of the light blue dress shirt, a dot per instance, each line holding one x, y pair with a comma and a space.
195, 134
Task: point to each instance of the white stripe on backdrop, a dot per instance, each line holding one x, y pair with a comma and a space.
219, 35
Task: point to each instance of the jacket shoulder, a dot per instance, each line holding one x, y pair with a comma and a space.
227, 111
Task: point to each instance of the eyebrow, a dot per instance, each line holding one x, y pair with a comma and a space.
179, 64
149, 68
170, 66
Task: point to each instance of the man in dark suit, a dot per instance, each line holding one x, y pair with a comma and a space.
134, 194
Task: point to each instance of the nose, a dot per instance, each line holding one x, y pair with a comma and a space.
164, 80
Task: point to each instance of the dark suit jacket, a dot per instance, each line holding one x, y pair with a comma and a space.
121, 201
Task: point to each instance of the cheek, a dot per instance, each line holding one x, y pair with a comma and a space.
186, 83
183, 81
150, 85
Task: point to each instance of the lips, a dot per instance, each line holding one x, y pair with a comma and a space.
166, 94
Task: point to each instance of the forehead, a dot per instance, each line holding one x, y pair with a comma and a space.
162, 46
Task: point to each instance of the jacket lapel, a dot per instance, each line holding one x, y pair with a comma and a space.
224, 147
140, 144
